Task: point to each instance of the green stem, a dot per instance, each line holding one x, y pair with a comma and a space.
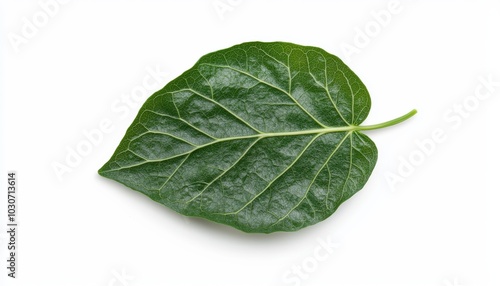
388, 123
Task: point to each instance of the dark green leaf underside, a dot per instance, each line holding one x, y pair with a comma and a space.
259, 136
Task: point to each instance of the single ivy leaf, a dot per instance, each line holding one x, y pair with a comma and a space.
263, 137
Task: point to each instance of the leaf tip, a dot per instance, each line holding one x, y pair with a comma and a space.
102, 171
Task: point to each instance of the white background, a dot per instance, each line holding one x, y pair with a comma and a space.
439, 225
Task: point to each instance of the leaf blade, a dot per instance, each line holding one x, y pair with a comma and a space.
255, 136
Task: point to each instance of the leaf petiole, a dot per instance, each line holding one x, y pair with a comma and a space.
388, 123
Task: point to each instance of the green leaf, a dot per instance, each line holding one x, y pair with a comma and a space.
263, 137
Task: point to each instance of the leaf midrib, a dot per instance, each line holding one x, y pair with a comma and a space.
320, 131
259, 136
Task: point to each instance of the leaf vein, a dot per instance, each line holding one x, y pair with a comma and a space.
184, 121
277, 177
348, 173
222, 106
273, 86
352, 94
314, 179
325, 87
224, 172
171, 175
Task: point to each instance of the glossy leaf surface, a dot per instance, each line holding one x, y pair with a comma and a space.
263, 137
